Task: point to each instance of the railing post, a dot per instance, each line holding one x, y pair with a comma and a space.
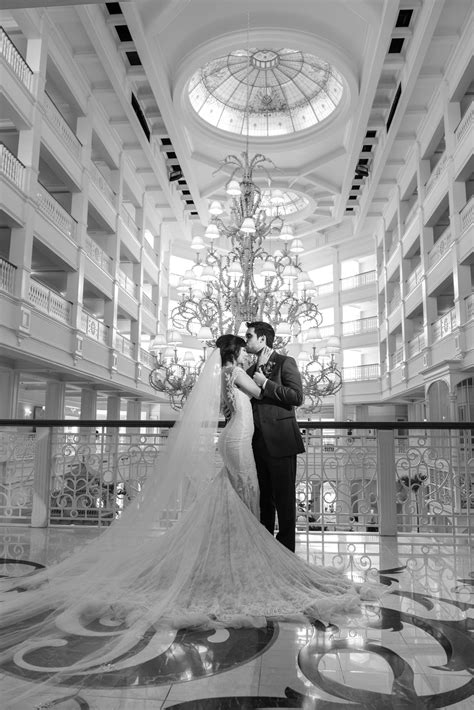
42, 477
386, 482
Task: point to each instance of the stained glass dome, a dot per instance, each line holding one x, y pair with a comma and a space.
285, 90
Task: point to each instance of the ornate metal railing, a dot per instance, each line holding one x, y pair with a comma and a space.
11, 167
128, 221
148, 303
416, 344
14, 59
440, 247
50, 302
354, 477
62, 129
396, 358
436, 173
55, 213
7, 276
124, 345
414, 278
127, 284
467, 215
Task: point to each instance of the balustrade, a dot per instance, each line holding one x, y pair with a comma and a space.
436, 173
55, 213
147, 358
396, 358
440, 247
467, 215
127, 284
15, 61
322, 289
94, 328
414, 278
148, 303
470, 307
61, 128
124, 345
465, 124
101, 183
98, 255
361, 373
128, 220
50, 302
358, 280
7, 276
11, 167
416, 344
362, 325
444, 325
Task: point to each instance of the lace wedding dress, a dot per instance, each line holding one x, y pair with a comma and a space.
216, 566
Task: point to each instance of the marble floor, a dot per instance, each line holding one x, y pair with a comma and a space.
413, 650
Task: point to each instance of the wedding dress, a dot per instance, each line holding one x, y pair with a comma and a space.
189, 551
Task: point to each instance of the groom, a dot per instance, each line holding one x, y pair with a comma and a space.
277, 439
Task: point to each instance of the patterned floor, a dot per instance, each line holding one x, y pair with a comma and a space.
413, 651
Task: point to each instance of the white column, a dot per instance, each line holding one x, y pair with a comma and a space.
9, 387
386, 482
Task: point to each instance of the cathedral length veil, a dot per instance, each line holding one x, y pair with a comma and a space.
111, 578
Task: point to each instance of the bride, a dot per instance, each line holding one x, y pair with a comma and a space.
188, 551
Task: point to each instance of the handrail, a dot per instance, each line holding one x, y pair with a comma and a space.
168, 423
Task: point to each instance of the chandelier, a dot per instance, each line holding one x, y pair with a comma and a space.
225, 288
239, 276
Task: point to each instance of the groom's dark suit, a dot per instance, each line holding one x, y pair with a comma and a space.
276, 442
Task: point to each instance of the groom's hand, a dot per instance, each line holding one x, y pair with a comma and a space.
259, 378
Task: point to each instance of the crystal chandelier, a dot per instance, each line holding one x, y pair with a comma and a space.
319, 373
228, 287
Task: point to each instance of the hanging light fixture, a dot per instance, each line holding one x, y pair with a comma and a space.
248, 280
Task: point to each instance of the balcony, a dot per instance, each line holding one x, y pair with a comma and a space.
55, 213
148, 303
470, 307
94, 328
101, 184
361, 373
444, 326
61, 128
7, 276
414, 279
146, 358
12, 177
48, 301
436, 173
396, 358
464, 139
126, 283
15, 61
324, 289
416, 344
360, 326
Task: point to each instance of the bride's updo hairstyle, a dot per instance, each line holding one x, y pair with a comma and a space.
230, 347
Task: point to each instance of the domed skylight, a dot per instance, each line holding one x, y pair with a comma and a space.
285, 90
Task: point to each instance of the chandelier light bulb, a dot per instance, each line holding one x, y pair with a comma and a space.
215, 208
212, 231
168, 353
233, 188
248, 226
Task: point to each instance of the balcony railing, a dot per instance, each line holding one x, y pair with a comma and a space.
396, 358
127, 284
465, 124
128, 220
98, 255
402, 481
94, 328
416, 344
395, 300
361, 372
323, 289
357, 280
124, 345
147, 359
11, 167
435, 175
50, 302
442, 245
411, 214
414, 278
15, 61
149, 250
148, 303
467, 215
55, 213
101, 183
470, 307
444, 325
65, 133
362, 325
326, 331
7, 276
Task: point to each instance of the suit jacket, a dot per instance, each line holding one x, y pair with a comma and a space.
274, 414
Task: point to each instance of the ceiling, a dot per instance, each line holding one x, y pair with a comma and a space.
390, 53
